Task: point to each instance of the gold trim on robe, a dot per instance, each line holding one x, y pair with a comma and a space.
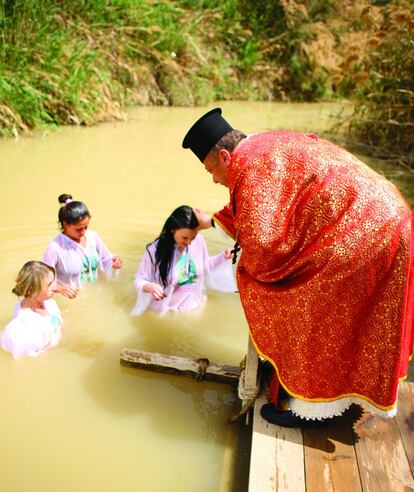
326, 271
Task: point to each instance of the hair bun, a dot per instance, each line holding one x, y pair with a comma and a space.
16, 291
64, 199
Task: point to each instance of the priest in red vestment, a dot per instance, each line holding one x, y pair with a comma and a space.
326, 269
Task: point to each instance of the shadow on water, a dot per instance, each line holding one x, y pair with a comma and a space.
178, 407
175, 407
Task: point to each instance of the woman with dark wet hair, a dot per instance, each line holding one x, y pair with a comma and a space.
77, 252
176, 268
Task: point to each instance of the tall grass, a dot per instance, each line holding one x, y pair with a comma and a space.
83, 61
384, 102
77, 62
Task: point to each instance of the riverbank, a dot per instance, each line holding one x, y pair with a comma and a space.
79, 63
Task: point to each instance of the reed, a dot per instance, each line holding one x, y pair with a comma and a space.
384, 102
78, 62
83, 61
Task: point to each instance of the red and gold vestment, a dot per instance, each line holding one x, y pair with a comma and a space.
326, 271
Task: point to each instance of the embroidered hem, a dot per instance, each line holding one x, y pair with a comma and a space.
325, 410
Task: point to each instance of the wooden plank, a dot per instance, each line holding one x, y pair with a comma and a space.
330, 460
405, 420
290, 474
383, 464
276, 461
182, 366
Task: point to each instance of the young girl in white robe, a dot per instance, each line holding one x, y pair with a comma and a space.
36, 319
176, 269
77, 252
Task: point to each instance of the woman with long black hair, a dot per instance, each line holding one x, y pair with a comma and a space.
176, 268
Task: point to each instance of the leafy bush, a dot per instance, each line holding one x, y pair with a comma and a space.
82, 61
384, 103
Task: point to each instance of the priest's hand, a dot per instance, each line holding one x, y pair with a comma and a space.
203, 218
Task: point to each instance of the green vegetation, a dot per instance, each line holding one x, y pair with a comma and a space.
83, 61
384, 104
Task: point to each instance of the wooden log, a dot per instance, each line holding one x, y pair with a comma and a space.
171, 364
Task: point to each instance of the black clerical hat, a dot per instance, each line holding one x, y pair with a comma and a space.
206, 132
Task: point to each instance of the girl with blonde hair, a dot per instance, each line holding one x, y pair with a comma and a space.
36, 319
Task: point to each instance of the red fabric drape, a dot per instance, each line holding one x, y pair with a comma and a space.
326, 270
225, 220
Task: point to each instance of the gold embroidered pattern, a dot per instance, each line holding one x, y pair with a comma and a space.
326, 271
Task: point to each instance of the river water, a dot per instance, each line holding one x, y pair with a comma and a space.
73, 418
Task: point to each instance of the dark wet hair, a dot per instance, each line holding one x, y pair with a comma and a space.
182, 218
72, 211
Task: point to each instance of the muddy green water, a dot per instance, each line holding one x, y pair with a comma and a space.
73, 419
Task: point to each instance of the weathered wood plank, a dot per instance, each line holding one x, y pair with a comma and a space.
276, 461
317, 470
382, 462
290, 475
405, 420
183, 366
330, 460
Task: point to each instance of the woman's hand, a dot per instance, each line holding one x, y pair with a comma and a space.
203, 218
156, 291
66, 291
228, 255
116, 262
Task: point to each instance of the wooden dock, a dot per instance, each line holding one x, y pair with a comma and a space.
357, 452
